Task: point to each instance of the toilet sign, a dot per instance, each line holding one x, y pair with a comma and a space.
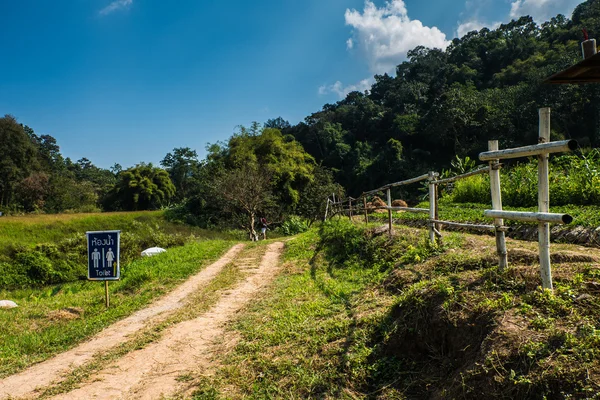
103, 255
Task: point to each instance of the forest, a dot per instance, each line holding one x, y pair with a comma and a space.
442, 105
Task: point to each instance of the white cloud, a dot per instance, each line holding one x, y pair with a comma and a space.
473, 25
542, 10
115, 5
341, 90
384, 35
349, 44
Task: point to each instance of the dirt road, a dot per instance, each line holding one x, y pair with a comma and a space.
153, 371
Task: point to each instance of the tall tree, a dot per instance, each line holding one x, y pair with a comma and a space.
182, 165
17, 157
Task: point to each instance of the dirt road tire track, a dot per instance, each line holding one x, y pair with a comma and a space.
24, 384
152, 372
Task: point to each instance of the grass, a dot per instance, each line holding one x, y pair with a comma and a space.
586, 216
38, 328
399, 319
30, 230
195, 306
37, 250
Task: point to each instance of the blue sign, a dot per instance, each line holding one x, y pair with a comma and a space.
103, 255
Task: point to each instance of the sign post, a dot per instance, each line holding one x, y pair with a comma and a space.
103, 257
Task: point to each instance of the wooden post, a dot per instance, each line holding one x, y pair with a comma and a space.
366, 211
497, 205
432, 207
544, 200
106, 293
437, 207
389, 203
350, 209
326, 209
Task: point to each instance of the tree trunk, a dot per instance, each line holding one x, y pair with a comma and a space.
253, 235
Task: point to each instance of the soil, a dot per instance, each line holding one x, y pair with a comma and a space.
28, 383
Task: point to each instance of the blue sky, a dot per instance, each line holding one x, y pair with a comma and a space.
127, 81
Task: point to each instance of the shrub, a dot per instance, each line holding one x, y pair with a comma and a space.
475, 189
294, 225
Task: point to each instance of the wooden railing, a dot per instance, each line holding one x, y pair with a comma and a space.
493, 157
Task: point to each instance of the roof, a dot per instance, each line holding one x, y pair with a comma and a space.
586, 71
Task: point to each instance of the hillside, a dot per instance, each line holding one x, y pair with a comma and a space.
358, 315
487, 85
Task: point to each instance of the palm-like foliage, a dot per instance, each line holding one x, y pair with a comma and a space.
143, 187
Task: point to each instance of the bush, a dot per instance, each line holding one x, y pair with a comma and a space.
573, 180
294, 225
475, 189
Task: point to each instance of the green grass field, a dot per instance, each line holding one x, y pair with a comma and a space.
42, 325
43, 269
37, 250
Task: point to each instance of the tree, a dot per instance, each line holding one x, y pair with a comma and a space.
67, 194
314, 195
246, 193
286, 161
33, 190
182, 165
17, 157
143, 187
277, 123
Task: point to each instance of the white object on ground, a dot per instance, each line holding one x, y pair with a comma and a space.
152, 251
7, 304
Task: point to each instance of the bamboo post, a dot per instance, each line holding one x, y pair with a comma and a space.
544, 200
389, 203
438, 227
366, 211
432, 207
106, 293
497, 205
350, 209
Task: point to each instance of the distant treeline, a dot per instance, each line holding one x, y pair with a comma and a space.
441, 104
257, 172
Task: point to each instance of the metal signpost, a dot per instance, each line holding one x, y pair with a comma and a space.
103, 257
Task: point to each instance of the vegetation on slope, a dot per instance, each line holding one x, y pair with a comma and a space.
52, 319
359, 315
45, 249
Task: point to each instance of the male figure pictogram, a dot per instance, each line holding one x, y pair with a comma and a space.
96, 258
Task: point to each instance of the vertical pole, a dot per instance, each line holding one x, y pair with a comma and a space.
333, 205
350, 209
326, 209
389, 203
366, 211
544, 200
106, 293
432, 207
497, 205
437, 207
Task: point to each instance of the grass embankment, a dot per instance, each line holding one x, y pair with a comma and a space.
357, 315
50, 249
35, 250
